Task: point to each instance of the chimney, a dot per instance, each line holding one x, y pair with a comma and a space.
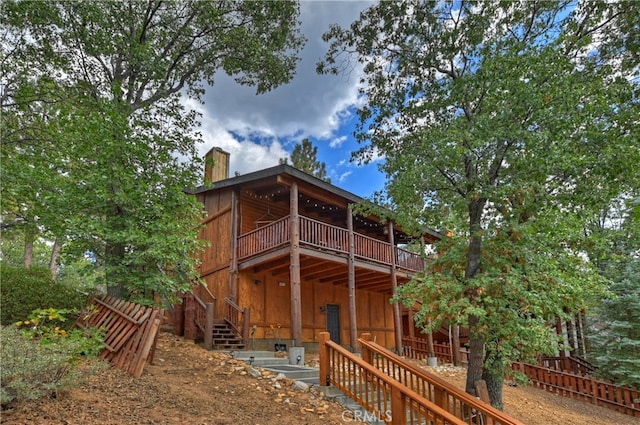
216, 165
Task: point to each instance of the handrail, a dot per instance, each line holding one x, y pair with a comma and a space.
385, 397
264, 238
432, 387
238, 319
204, 320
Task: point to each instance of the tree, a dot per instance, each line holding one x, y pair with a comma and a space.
305, 158
615, 323
96, 88
508, 125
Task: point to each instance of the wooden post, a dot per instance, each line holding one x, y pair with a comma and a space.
294, 271
398, 407
367, 355
208, 328
397, 318
233, 270
323, 337
353, 327
246, 314
178, 317
190, 329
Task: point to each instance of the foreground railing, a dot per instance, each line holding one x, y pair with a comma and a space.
458, 403
388, 400
238, 319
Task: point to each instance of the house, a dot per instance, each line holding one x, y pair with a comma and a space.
288, 258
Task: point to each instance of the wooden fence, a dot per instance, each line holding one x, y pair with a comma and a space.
130, 331
566, 384
417, 348
623, 399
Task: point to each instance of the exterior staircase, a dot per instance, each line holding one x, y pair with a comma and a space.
268, 361
224, 338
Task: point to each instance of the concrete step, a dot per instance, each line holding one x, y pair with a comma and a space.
255, 354
294, 372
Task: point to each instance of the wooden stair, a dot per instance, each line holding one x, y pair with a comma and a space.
224, 338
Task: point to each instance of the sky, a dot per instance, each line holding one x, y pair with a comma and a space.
258, 130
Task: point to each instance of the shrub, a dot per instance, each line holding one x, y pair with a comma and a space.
39, 358
25, 290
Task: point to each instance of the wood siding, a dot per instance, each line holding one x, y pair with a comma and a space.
270, 305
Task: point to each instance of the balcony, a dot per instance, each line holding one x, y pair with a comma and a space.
325, 237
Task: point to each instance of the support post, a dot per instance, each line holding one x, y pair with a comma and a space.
246, 315
353, 326
233, 270
208, 328
190, 329
325, 378
397, 318
294, 271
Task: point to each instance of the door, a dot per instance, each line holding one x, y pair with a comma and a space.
333, 322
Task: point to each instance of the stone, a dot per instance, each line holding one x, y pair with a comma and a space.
254, 372
299, 385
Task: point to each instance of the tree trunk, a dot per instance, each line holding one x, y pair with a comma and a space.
115, 283
476, 357
494, 386
29, 238
476, 341
455, 346
55, 254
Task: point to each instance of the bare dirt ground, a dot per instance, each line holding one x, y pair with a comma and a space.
189, 385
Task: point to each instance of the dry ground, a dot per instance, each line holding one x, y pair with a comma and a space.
189, 385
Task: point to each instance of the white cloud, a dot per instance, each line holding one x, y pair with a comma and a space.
257, 130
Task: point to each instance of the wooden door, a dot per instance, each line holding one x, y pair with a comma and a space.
333, 322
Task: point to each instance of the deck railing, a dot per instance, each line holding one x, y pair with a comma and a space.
265, 238
384, 397
324, 236
238, 318
458, 403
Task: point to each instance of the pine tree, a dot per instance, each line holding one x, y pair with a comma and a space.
305, 158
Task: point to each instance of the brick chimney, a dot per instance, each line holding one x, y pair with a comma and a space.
216, 165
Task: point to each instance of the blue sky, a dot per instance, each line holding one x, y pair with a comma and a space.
259, 130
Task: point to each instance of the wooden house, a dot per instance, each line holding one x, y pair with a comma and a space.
288, 259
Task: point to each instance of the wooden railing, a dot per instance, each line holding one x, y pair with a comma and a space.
265, 238
458, 403
571, 364
325, 236
386, 398
238, 319
204, 319
417, 348
623, 399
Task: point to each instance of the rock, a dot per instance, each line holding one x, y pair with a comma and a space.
255, 372
299, 385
